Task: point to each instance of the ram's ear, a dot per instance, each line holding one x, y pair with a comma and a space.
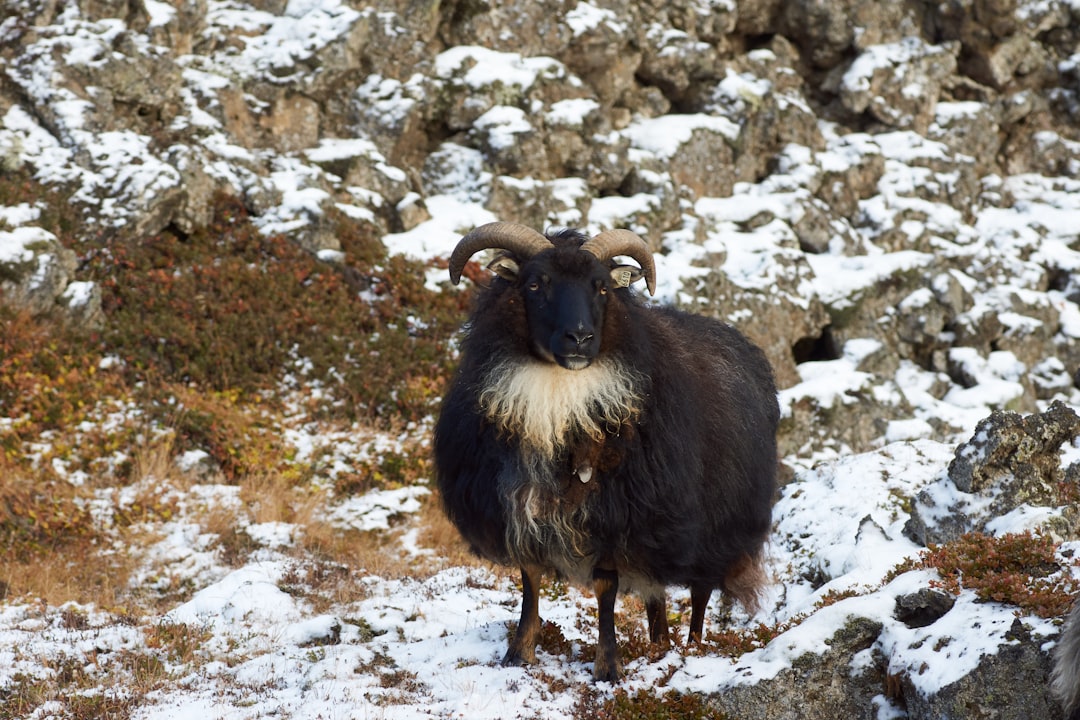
504, 266
625, 275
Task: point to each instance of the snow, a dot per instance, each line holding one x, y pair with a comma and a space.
273, 653
278, 44
486, 67
78, 293
586, 17
664, 135
503, 124
16, 245
375, 509
571, 112
451, 218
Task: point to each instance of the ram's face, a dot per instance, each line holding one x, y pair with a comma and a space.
565, 304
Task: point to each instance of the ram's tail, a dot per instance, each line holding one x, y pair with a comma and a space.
1065, 679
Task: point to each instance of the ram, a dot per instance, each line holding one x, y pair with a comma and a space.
612, 443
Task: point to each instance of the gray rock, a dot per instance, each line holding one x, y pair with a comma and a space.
816, 686
1012, 684
923, 608
1010, 461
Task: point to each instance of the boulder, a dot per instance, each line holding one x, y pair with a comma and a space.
697, 150
540, 204
35, 269
879, 81
1010, 684
1011, 467
816, 686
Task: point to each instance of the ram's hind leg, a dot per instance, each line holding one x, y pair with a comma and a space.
522, 648
699, 600
656, 612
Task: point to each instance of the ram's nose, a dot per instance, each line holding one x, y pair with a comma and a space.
579, 337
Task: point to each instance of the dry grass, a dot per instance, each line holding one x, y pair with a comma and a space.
439, 535
95, 568
77, 574
89, 486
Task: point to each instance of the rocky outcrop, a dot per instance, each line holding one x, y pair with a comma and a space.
828, 685
1009, 470
851, 679
878, 123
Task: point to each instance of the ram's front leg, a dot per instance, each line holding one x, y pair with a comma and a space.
606, 586
522, 648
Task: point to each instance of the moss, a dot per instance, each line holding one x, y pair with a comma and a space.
49, 380
57, 213
228, 309
644, 705
1018, 569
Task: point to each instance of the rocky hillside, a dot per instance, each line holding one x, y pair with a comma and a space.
909, 168
884, 196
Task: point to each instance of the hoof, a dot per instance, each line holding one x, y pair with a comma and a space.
603, 672
515, 658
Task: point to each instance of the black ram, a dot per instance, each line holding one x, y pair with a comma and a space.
612, 443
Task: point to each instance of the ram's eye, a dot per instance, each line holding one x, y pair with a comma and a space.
534, 286
603, 289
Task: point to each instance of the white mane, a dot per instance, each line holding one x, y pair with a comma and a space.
542, 404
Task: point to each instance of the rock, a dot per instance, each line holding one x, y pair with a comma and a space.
456, 169
826, 685
999, 38
697, 150
969, 128
600, 51
536, 203
473, 80
764, 95
1010, 684
195, 209
411, 211
757, 16
1054, 155
1050, 378
1009, 448
132, 12
1023, 323
675, 61
545, 30
35, 269
81, 301
394, 115
851, 168
1010, 462
180, 27
878, 82
292, 123
779, 319
838, 404
357, 162
923, 608
509, 141
920, 321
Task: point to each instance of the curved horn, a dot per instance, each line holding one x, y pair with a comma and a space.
518, 239
610, 243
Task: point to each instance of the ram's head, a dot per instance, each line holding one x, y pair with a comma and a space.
565, 282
